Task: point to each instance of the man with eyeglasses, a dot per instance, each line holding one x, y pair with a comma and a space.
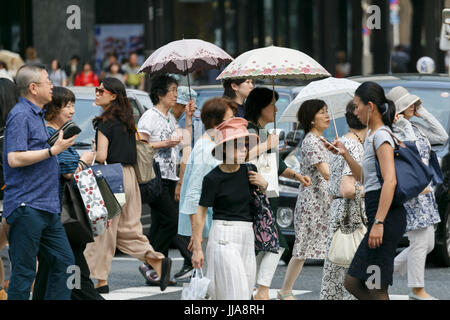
31, 198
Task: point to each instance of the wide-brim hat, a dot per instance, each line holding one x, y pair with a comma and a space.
402, 98
184, 97
232, 129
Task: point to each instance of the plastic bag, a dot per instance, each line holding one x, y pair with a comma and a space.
197, 288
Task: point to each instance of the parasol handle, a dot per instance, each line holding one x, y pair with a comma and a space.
274, 109
189, 82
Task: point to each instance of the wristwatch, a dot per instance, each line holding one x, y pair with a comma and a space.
379, 222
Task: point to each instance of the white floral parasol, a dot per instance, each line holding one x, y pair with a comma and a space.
274, 63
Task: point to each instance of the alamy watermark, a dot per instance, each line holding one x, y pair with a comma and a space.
374, 280
74, 280
73, 22
374, 18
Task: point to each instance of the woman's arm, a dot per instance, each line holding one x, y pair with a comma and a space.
102, 147
347, 187
435, 132
161, 144
198, 223
324, 170
355, 167
291, 174
385, 154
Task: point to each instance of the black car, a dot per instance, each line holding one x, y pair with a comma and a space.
434, 91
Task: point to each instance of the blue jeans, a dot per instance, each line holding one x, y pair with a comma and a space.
33, 232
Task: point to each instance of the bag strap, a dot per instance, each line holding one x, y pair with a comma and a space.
397, 141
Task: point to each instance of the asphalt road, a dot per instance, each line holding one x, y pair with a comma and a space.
126, 282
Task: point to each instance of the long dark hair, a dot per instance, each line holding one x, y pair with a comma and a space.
228, 90
119, 108
373, 92
258, 100
9, 97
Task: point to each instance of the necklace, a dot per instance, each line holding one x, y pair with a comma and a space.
211, 137
360, 140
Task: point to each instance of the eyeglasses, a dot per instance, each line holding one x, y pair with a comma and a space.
45, 82
101, 91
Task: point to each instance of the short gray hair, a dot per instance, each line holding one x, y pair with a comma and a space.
27, 75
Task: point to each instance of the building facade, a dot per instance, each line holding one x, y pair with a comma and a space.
320, 28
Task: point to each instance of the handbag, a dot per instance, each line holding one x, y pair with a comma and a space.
73, 215
433, 164
267, 165
93, 200
413, 176
113, 174
153, 189
144, 160
197, 287
70, 129
344, 244
112, 205
266, 233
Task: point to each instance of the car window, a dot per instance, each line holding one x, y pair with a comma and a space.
436, 101
145, 101
136, 112
85, 112
205, 95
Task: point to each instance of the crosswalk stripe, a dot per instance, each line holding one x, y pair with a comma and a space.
138, 292
147, 291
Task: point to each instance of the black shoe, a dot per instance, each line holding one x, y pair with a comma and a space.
165, 273
185, 273
103, 289
151, 278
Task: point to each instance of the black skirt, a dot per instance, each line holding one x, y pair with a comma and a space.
367, 260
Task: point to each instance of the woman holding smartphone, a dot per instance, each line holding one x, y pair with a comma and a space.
374, 257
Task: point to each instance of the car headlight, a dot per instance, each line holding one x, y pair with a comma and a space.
285, 217
292, 162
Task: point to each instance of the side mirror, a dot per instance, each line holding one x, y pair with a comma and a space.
294, 137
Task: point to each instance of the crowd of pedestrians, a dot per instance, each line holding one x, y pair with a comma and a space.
204, 208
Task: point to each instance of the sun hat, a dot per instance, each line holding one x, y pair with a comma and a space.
230, 130
402, 98
183, 95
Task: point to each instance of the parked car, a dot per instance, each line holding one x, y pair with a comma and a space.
86, 111
434, 91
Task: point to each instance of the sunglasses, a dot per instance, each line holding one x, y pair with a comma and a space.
101, 91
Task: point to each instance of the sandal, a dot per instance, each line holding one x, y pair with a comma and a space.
283, 296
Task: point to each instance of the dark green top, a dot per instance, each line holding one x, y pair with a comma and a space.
263, 134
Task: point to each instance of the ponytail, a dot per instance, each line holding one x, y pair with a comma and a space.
373, 92
388, 114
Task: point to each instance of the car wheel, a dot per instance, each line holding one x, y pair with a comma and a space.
440, 256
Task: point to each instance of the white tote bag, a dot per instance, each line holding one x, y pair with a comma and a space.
267, 165
344, 245
197, 288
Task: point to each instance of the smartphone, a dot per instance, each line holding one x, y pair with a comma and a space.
328, 143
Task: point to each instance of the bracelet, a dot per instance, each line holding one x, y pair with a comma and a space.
50, 152
83, 164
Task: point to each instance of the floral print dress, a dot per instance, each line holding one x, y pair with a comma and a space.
334, 275
422, 211
311, 215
